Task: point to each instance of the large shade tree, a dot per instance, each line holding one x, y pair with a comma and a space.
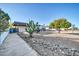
4, 20
60, 23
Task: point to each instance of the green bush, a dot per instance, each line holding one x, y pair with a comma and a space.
4, 21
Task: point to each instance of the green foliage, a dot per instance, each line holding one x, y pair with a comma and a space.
4, 20
10, 24
60, 23
31, 27
51, 25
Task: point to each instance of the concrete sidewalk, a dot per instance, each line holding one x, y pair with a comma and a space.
15, 46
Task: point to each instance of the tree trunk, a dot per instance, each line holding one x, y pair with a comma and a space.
58, 30
31, 35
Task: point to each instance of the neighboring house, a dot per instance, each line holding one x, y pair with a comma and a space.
47, 27
44, 26
20, 25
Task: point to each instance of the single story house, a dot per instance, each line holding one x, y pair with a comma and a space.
20, 26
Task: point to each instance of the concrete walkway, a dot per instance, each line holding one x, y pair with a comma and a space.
15, 46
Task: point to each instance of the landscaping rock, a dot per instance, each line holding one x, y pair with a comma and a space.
51, 46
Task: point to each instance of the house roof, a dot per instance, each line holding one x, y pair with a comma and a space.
16, 23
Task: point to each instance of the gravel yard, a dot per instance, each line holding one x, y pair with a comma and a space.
51, 45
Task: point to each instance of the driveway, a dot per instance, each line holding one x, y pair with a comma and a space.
15, 46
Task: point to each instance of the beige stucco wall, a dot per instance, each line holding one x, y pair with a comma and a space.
21, 28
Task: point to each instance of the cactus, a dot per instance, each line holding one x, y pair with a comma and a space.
31, 27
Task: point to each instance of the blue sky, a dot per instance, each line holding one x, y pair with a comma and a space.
44, 13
